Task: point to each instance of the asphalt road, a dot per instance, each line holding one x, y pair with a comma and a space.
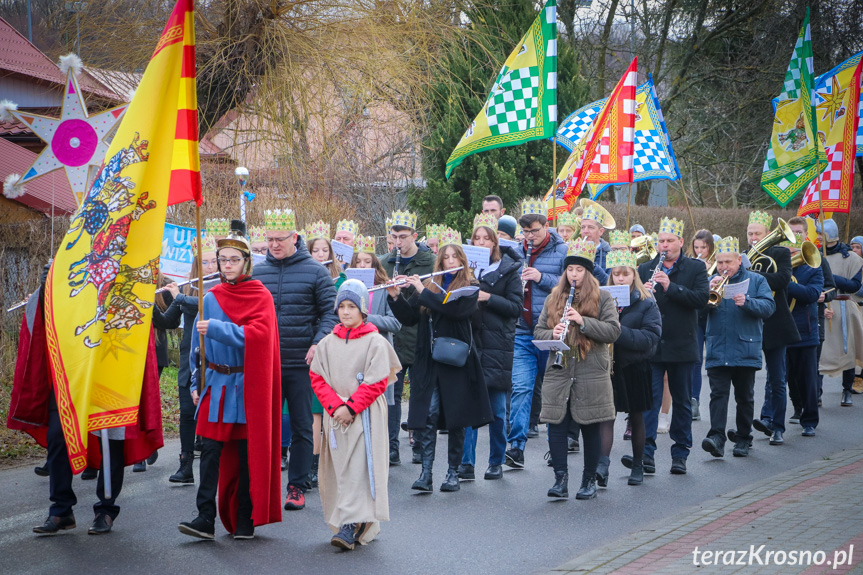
506, 526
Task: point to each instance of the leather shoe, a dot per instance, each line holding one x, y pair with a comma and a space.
560, 489
451, 482
494, 472
54, 524
42, 470
139, 467
424, 482
776, 438
808, 432
587, 489
466, 472
846, 398
741, 448
713, 446
89, 474
647, 462
678, 466
101, 525
765, 427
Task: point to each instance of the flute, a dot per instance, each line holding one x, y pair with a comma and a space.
187, 282
396, 283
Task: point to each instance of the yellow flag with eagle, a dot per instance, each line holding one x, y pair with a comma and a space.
100, 290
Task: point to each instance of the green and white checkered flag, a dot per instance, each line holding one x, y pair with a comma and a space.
522, 105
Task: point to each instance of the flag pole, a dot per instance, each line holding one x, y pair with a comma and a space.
554, 175
200, 271
820, 205
106, 463
629, 204
688, 208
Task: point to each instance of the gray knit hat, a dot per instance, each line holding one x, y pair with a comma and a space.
355, 292
507, 225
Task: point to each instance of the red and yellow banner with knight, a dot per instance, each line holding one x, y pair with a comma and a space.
100, 290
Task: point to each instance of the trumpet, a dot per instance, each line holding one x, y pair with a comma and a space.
657, 269
558, 356
717, 293
396, 283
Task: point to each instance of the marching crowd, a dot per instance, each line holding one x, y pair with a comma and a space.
304, 369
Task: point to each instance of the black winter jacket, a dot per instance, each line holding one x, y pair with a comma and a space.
405, 340
494, 322
687, 293
779, 329
305, 299
185, 306
640, 330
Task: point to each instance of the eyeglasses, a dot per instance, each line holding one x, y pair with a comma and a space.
531, 232
233, 261
259, 251
278, 240
402, 237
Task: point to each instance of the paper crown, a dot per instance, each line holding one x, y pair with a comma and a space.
729, 245
434, 231
317, 230
568, 219
403, 218
218, 227
654, 237
449, 236
580, 248
797, 244
388, 222
364, 245
257, 234
487, 220
208, 244
349, 226
280, 220
533, 206
594, 211
762, 218
301, 233
671, 226
621, 258
619, 238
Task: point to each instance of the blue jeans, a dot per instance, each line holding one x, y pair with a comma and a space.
496, 433
527, 360
696, 369
775, 397
680, 387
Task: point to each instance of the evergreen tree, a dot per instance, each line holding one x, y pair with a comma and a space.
513, 172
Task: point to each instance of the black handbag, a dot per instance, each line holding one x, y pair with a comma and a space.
449, 350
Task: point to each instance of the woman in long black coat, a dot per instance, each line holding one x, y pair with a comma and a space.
500, 304
443, 396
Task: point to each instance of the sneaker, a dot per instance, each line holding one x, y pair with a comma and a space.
765, 426
664, 423
394, 457
795, 417
466, 472
696, 414
678, 466
846, 399
344, 539
808, 432
199, 527
246, 531
533, 432
515, 458
572, 445
296, 499
776, 438
713, 446
139, 467
741, 448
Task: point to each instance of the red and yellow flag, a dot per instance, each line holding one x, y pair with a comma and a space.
99, 293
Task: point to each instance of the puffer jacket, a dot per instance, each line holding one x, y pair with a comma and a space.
583, 386
640, 330
305, 300
549, 262
494, 322
405, 340
803, 294
734, 332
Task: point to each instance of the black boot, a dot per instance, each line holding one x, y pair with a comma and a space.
451, 481
602, 471
588, 487
426, 438
313, 476
561, 485
636, 476
424, 483
185, 474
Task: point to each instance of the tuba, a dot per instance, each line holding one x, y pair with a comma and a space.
765, 264
643, 248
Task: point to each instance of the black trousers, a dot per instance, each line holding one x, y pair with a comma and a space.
187, 419
426, 438
211, 453
62, 496
590, 445
297, 391
802, 371
721, 381
394, 413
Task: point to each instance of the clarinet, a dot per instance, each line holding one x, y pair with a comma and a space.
657, 269
526, 263
558, 357
398, 261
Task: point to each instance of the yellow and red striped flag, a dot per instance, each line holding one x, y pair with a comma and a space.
99, 293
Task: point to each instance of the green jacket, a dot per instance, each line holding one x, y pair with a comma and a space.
405, 340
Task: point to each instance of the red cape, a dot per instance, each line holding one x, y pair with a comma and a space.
250, 305
32, 388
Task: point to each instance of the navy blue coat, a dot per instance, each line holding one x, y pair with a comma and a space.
640, 330
305, 300
734, 332
549, 262
804, 294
